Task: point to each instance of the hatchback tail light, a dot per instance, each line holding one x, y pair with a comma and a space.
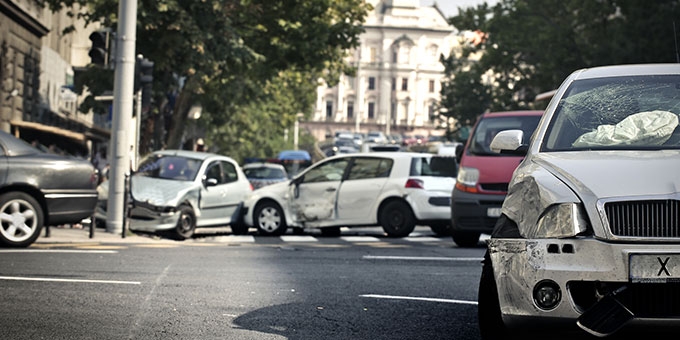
414, 183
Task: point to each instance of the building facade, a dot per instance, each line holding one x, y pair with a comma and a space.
397, 86
37, 61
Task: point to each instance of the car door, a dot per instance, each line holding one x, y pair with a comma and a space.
220, 200
312, 196
358, 196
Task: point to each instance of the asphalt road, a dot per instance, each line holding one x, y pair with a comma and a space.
270, 288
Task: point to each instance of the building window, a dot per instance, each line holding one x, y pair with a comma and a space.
371, 83
394, 84
395, 55
404, 84
351, 83
372, 54
371, 110
431, 86
350, 109
329, 109
393, 113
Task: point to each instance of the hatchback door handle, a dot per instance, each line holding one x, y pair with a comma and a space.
330, 189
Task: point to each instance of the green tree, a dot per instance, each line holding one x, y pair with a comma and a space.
227, 54
533, 45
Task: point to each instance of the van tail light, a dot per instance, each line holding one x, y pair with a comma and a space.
414, 184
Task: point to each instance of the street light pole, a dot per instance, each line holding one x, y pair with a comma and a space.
123, 88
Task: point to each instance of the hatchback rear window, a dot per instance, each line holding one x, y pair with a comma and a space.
434, 166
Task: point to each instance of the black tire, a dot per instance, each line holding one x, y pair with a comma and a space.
26, 219
186, 225
440, 229
331, 232
465, 238
397, 219
491, 325
269, 219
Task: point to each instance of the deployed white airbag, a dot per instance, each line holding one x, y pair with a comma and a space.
644, 128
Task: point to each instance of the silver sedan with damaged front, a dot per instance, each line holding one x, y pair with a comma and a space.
589, 236
175, 191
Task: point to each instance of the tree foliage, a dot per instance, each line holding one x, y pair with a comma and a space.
239, 59
533, 45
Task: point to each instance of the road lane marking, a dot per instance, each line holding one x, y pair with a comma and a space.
422, 258
47, 279
298, 238
375, 296
360, 239
88, 251
421, 239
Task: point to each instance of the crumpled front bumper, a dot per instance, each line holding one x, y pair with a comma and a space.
151, 219
585, 269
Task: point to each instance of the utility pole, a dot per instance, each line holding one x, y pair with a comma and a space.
122, 113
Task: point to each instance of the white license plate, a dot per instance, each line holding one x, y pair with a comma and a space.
654, 267
493, 212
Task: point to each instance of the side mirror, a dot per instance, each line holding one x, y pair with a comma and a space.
459, 151
210, 182
510, 142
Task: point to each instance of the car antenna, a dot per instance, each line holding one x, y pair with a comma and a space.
675, 35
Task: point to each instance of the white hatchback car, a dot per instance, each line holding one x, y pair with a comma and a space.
589, 235
396, 190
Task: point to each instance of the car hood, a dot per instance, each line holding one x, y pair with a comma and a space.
605, 174
158, 191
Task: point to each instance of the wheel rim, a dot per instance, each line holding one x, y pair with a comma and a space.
19, 220
186, 223
396, 219
269, 219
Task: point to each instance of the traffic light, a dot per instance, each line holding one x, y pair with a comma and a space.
99, 53
143, 73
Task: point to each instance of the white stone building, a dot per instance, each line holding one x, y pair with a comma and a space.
397, 86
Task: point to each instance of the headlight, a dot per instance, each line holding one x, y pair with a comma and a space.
560, 221
467, 179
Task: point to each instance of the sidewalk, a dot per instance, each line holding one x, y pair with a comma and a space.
82, 235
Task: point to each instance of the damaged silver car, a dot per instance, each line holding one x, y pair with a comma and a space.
589, 236
175, 191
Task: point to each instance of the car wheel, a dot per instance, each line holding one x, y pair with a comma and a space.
269, 219
331, 231
397, 219
491, 325
186, 225
440, 229
465, 239
21, 219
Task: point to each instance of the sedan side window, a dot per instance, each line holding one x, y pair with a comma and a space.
229, 170
329, 171
214, 171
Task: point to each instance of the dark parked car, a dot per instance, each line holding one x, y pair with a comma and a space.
39, 188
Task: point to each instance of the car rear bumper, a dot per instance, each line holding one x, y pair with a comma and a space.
430, 205
584, 270
475, 212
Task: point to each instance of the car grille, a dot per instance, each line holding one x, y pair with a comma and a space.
650, 218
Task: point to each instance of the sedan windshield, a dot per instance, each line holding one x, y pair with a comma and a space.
169, 167
617, 113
